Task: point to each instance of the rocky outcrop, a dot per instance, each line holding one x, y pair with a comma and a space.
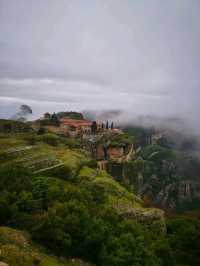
179, 195
3, 263
168, 194
102, 165
150, 217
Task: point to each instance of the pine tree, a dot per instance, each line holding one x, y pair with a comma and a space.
94, 127
112, 125
54, 119
107, 125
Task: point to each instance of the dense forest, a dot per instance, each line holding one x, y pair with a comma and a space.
58, 208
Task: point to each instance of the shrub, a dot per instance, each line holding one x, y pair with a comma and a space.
49, 138
72, 143
14, 177
41, 131
30, 139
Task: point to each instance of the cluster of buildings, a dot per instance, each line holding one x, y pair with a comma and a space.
70, 127
75, 127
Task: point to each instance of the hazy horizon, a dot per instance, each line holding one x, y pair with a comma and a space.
141, 57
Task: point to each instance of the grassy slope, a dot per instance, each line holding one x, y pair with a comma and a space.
42, 156
13, 148
18, 250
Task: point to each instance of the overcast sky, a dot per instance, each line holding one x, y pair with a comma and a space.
141, 56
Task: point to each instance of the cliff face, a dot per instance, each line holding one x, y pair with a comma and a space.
165, 178
181, 195
111, 145
111, 149
106, 152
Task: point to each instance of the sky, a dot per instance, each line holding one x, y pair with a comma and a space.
139, 56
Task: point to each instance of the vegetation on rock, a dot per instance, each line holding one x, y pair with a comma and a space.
66, 207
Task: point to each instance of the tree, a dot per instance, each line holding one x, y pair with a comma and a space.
107, 125
41, 131
94, 127
54, 119
112, 125
24, 111
184, 239
4, 210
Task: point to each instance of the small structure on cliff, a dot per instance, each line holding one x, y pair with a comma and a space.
71, 124
76, 127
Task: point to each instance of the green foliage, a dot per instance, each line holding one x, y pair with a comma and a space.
41, 131
156, 153
49, 138
54, 120
11, 126
129, 247
71, 143
184, 239
70, 115
162, 171
17, 249
5, 211
14, 177
140, 135
61, 170
30, 139
82, 214
119, 140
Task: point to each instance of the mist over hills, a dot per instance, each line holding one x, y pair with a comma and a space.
125, 119
122, 189
177, 129
139, 57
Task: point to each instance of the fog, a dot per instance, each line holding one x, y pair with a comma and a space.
141, 57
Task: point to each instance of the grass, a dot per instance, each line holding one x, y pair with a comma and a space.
72, 165
88, 172
16, 249
40, 157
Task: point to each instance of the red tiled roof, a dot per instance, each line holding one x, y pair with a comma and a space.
75, 123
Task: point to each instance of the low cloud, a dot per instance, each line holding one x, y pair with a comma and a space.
141, 57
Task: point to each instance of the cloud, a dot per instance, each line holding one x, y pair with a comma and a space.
138, 56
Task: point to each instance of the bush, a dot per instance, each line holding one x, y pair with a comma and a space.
49, 138
72, 143
120, 140
14, 177
184, 239
41, 131
31, 139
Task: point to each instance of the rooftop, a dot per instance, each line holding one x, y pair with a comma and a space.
75, 122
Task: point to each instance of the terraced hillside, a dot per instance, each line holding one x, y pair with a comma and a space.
60, 161
41, 157
70, 207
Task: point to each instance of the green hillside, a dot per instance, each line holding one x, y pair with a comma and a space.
17, 248
55, 203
